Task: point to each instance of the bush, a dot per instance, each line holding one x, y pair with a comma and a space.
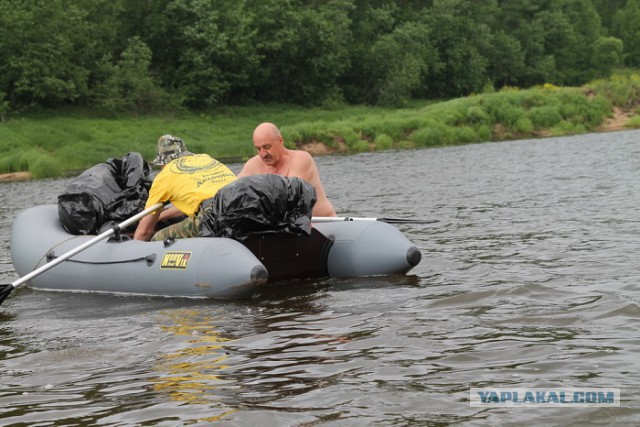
306, 132
579, 109
566, 128
454, 112
15, 162
351, 138
383, 142
433, 135
39, 163
524, 125
544, 117
476, 114
484, 133
333, 100
45, 167
634, 122
4, 106
621, 90
464, 135
359, 146
503, 107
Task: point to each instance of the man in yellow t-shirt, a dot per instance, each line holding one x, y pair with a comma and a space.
186, 181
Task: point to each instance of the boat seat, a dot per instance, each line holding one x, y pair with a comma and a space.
288, 256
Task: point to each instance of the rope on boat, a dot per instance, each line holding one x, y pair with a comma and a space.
149, 259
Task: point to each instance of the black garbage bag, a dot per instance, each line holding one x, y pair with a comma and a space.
104, 195
260, 203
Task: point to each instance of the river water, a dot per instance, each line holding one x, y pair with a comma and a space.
530, 279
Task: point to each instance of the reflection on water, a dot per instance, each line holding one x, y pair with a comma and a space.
529, 279
190, 374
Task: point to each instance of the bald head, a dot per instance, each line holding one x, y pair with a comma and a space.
266, 131
268, 143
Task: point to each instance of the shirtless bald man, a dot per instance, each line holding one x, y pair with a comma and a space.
274, 157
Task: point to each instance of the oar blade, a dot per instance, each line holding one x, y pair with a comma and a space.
387, 220
5, 290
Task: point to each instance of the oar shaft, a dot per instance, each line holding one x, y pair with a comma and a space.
387, 220
339, 219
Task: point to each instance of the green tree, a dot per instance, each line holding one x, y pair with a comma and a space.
325, 45
462, 35
128, 84
559, 43
506, 60
203, 49
574, 59
304, 49
607, 10
44, 48
128, 54
107, 23
396, 64
518, 19
607, 54
626, 26
370, 21
557, 38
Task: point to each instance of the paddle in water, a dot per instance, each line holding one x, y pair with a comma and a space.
6, 289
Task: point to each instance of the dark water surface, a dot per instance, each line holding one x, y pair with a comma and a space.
529, 279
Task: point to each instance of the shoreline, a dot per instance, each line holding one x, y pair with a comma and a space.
617, 122
15, 176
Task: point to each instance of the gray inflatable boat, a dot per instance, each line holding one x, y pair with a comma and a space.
213, 267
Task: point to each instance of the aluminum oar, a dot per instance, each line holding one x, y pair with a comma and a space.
387, 220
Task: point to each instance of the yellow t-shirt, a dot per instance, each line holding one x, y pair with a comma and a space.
187, 181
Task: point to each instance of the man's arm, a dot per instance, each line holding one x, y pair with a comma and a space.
323, 207
170, 212
147, 226
303, 166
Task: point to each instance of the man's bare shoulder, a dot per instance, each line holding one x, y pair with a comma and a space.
303, 166
302, 158
301, 154
252, 166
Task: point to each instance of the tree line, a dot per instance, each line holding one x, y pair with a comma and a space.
158, 55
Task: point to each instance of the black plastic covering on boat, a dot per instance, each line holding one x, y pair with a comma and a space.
104, 195
259, 204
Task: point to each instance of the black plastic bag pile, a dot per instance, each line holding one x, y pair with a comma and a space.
258, 204
105, 195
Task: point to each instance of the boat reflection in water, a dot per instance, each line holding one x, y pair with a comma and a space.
191, 373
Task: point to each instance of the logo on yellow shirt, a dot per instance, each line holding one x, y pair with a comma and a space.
198, 163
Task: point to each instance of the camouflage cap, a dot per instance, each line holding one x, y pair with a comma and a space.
169, 148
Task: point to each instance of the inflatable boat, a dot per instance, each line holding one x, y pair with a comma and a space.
212, 267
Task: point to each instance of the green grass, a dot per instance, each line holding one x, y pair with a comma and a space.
52, 143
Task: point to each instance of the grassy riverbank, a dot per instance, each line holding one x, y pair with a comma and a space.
50, 144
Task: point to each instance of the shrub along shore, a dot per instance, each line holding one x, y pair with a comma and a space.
58, 143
